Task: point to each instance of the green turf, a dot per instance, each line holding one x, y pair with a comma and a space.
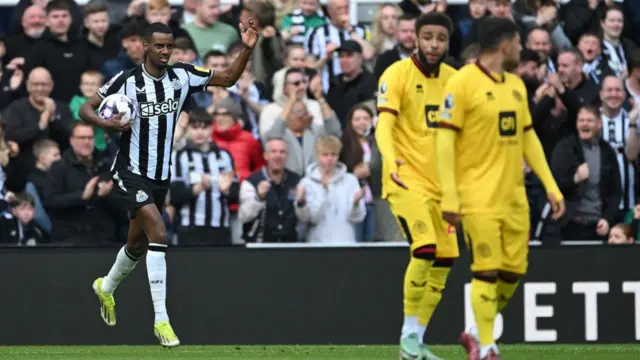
512, 352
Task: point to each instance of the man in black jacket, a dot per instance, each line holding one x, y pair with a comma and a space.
77, 193
59, 51
586, 169
406, 38
266, 199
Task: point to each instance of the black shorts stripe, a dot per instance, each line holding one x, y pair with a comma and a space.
162, 129
405, 229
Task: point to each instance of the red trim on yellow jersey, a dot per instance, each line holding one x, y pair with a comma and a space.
528, 127
488, 73
445, 125
424, 72
391, 111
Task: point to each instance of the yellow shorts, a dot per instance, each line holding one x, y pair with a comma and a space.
498, 242
420, 218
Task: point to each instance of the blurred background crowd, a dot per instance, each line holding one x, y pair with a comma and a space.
288, 153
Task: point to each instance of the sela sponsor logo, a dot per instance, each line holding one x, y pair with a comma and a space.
149, 109
538, 298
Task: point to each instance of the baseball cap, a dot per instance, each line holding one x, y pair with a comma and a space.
350, 46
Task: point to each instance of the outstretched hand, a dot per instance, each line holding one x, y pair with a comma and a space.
250, 34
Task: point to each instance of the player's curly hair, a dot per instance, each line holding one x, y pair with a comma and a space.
434, 18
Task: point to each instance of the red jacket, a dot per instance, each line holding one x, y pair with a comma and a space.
244, 148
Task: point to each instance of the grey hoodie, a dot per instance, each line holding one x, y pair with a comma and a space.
331, 214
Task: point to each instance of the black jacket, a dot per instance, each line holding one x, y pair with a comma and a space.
277, 222
343, 95
384, 61
14, 233
65, 60
566, 158
76, 220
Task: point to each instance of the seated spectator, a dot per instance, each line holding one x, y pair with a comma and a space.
77, 193
295, 87
355, 85
295, 127
620, 234
297, 24
46, 153
586, 169
329, 199
203, 185
356, 154
267, 197
17, 226
384, 28
90, 82
33, 118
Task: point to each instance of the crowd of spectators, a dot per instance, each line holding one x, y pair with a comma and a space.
288, 154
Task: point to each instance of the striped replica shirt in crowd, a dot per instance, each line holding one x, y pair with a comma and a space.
210, 207
316, 44
145, 149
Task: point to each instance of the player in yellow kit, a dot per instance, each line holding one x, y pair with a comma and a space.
409, 94
484, 132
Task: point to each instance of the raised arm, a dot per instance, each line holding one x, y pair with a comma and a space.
232, 74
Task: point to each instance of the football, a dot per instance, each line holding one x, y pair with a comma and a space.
115, 104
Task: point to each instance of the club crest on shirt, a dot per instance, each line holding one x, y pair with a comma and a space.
448, 102
383, 88
176, 84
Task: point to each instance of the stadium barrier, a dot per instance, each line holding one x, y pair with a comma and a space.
309, 296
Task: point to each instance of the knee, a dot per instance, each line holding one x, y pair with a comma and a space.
487, 276
509, 277
426, 252
158, 234
139, 247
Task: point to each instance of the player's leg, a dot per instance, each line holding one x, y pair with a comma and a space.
516, 254
411, 213
484, 239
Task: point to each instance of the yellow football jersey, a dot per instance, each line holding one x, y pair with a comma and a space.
491, 114
413, 95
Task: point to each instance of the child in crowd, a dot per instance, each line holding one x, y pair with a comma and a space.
621, 234
90, 82
17, 226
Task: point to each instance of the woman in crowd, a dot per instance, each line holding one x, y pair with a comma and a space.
356, 155
383, 29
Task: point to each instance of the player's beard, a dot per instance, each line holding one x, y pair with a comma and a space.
430, 68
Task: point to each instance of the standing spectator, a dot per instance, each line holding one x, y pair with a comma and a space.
17, 226
632, 83
90, 82
24, 5
542, 14
586, 169
594, 67
539, 40
203, 185
356, 155
207, 32
297, 24
355, 85
33, 26
384, 28
77, 193
267, 199
323, 40
294, 59
11, 79
405, 45
64, 55
253, 98
132, 52
46, 153
615, 47
102, 38
34, 118
616, 128
8, 150
330, 199
295, 87
295, 127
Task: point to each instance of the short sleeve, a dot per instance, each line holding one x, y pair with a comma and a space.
390, 89
199, 77
453, 106
115, 86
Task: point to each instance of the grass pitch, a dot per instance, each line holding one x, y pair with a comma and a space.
510, 352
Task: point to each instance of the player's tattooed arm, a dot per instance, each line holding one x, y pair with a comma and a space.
232, 74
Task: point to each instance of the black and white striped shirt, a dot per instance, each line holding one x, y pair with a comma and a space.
210, 207
145, 149
615, 131
316, 44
